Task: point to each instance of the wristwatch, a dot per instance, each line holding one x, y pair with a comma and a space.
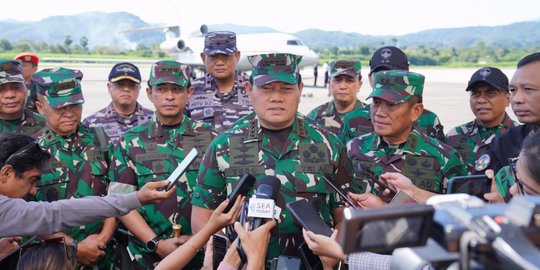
73, 245
152, 244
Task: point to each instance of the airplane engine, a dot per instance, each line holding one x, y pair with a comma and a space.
173, 45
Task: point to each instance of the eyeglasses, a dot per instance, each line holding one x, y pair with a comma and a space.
33, 248
523, 189
22, 151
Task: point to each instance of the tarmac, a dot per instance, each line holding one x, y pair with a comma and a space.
444, 90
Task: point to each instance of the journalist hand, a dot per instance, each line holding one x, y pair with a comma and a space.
154, 192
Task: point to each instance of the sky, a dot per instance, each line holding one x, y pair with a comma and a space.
391, 17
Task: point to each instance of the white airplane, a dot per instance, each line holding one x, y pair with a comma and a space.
187, 50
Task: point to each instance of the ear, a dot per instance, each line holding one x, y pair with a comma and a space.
189, 92
507, 100
109, 87
203, 57
300, 89
40, 107
149, 93
5, 172
416, 111
237, 56
249, 91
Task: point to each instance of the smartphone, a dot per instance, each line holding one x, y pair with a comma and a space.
310, 260
244, 186
285, 263
310, 219
221, 244
384, 186
339, 192
402, 198
476, 185
182, 168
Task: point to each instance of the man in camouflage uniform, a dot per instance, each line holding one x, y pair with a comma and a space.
79, 161
489, 97
358, 122
220, 97
151, 152
275, 140
345, 82
396, 145
13, 93
29, 62
124, 112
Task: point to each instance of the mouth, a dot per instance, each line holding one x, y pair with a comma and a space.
11, 104
483, 110
521, 112
276, 110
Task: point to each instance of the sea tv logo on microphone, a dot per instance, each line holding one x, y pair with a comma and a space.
261, 208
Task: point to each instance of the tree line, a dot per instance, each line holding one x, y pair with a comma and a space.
478, 55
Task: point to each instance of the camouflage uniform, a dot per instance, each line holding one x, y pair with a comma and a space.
358, 122
308, 155
427, 162
151, 152
326, 115
471, 141
79, 163
30, 122
210, 105
116, 124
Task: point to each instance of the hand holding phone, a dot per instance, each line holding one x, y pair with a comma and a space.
182, 168
244, 186
339, 192
308, 217
382, 186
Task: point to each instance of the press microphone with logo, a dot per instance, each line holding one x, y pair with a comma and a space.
262, 205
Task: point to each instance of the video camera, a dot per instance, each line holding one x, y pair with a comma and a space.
455, 231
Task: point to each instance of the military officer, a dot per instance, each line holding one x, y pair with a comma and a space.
220, 97
79, 161
13, 115
396, 145
489, 97
30, 62
358, 121
151, 152
275, 140
124, 112
345, 82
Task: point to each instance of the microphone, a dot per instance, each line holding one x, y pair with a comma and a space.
262, 204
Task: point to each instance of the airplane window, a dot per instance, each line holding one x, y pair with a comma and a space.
294, 42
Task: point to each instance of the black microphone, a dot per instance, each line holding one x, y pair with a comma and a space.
262, 206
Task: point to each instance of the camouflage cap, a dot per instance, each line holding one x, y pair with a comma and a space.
220, 42
60, 86
348, 67
397, 86
490, 75
10, 71
388, 58
279, 67
169, 71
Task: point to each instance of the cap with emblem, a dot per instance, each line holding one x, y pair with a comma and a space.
27, 57
397, 86
490, 75
279, 67
169, 71
347, 67
220, 42
60, 86
388, 58
10, 71
123, 71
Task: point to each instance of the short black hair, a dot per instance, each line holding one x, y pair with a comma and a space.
299, 77
33, 157
529, 59
530, 152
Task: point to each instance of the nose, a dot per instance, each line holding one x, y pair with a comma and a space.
33, 191
517, 96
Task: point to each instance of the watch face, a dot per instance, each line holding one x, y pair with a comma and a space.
151, 245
